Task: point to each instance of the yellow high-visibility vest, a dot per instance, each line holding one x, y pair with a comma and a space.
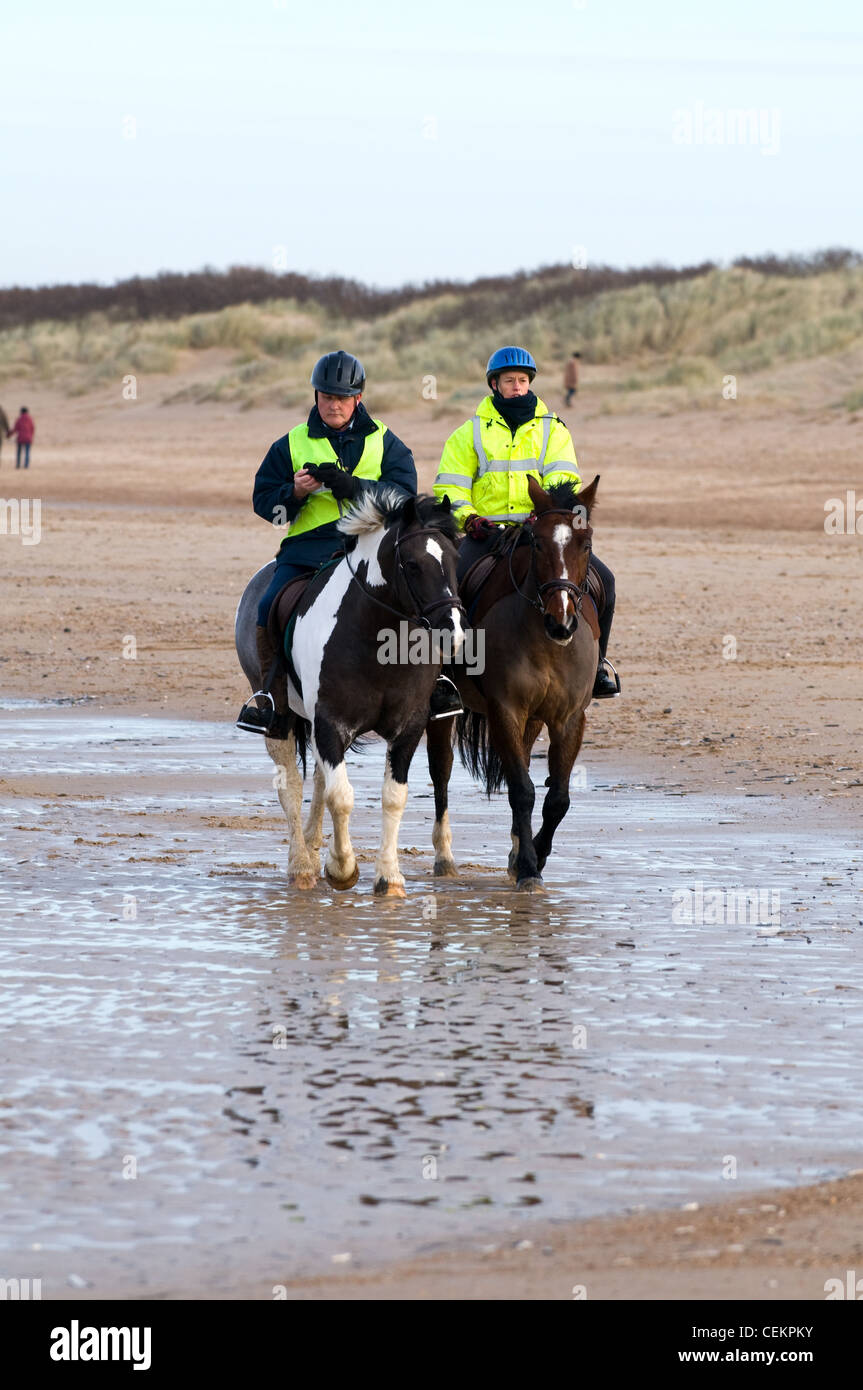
321, 507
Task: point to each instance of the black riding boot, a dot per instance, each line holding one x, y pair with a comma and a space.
445, 700
272, 719
607, 683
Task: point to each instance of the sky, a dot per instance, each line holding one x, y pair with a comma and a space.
403, 142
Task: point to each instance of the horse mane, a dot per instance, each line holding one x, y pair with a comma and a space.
375, 512
371, 512
563, 495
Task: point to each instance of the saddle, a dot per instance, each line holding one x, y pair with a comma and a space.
283, 608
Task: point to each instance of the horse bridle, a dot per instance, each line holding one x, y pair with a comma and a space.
421, 611
577, 592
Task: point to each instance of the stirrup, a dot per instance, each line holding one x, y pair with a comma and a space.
255, 719
448, 701
610, 694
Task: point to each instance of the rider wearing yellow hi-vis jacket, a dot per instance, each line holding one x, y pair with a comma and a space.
487, 461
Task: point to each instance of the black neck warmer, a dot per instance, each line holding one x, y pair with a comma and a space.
516, 411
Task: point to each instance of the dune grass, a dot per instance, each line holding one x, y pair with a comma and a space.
680, 338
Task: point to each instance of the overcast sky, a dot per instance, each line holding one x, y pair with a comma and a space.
406, 141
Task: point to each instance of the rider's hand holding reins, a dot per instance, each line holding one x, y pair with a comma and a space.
479, 527
342, 485
304, 483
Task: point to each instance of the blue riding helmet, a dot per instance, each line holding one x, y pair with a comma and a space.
510, 359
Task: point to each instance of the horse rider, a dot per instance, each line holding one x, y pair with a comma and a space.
487, 461
336, 457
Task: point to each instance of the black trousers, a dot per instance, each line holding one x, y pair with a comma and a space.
470, 550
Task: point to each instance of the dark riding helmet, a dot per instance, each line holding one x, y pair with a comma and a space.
510, 359
339, 374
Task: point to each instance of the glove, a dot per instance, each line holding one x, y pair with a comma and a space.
479, 528
341, 484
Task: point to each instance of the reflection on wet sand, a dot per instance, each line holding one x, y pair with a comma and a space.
205, 1071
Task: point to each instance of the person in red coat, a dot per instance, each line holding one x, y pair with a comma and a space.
25, 429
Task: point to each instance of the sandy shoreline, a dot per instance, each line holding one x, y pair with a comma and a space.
133, 546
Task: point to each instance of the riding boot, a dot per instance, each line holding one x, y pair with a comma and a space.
607, 683
445, 700
273, 719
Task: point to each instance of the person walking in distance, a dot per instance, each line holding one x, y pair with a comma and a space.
25, 430
5, 427
570, 377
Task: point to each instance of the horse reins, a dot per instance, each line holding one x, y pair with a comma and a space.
577, 592
420, 610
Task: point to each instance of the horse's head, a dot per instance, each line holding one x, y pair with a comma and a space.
418, 554
561, 540
409, 550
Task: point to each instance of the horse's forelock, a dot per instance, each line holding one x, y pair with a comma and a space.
563, 495
429, 512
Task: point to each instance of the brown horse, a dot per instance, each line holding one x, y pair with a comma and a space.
541, 652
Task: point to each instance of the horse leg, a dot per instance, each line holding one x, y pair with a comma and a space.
302, 869
394, 795
313, 830
507, 739
340, 869
531, 734
564, 745
439, 747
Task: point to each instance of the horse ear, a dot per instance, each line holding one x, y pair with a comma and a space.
540, 499
445, 504
586, 499
409, 511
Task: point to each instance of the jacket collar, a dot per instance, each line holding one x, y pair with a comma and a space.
362, 425
486, 411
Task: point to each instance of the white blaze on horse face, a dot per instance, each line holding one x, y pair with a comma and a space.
435, 549
561, 537
457, 631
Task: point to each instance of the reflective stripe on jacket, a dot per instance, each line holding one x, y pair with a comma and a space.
320, 508
484, 468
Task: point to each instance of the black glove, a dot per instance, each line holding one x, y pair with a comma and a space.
479, 528
342, 485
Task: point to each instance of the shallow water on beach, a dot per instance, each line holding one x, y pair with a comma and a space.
211, 1078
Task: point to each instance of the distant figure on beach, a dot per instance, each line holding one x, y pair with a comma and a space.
5, 427
25, 430
570, 377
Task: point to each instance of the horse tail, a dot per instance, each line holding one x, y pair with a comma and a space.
302, 729
476, 752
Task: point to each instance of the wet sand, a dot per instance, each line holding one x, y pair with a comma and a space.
219, 1086
151, 948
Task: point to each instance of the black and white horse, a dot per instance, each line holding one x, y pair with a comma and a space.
401, 569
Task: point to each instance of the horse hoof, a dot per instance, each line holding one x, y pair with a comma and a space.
530, 885
445, 869
302, 881
385, 889
342, 885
